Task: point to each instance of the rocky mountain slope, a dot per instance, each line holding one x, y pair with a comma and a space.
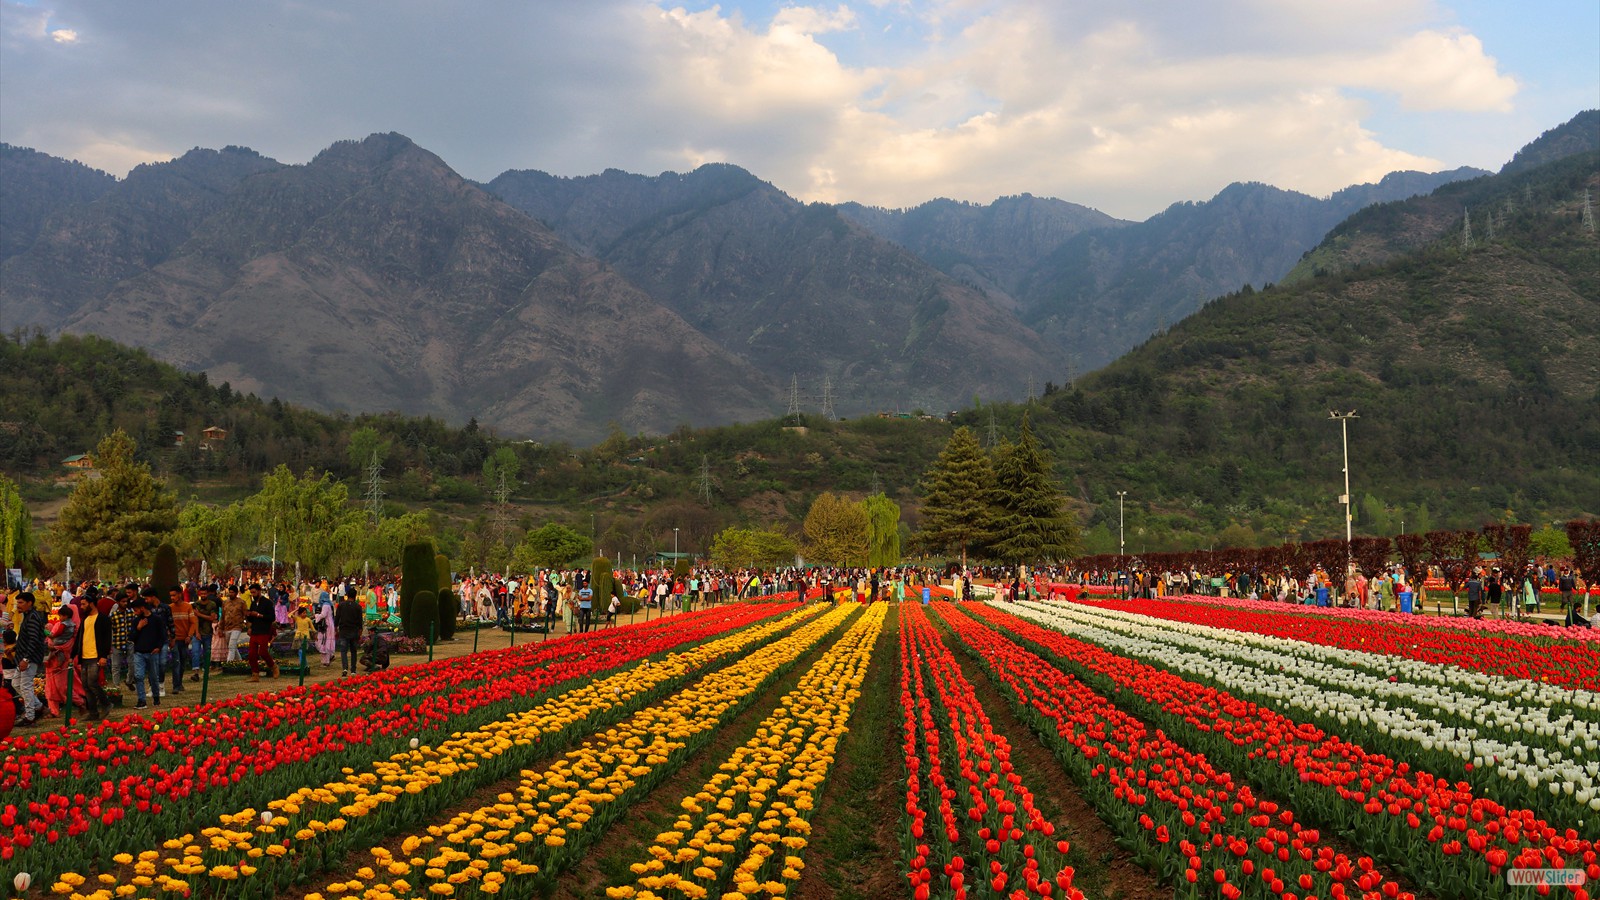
797, 290
374, 277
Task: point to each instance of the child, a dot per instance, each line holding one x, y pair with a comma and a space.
303, 625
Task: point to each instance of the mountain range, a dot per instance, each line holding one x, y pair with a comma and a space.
374, 277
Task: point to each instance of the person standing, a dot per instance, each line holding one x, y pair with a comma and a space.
1567, 585
1475, 595
93, 653
184, 627
232, 627
263, 619
149, 640
585, 609
121, 650
62, 637
327, 630
30, 627
348, 618
207, 611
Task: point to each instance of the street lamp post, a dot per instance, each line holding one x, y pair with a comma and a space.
1344, 439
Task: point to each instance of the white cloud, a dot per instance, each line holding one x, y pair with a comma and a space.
1128, 106
64, 36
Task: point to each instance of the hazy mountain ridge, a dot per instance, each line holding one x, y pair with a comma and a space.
35, 186
796, 289
374, 277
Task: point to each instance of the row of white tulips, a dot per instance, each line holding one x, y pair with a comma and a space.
1289, 681
1564, 715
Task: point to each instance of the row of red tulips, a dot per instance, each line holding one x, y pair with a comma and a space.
1190, 822
1454, 843
998, 826
55, 831
1570, 663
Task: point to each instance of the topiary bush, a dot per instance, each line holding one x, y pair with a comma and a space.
164, 569
418, 573
424, 615
449, 608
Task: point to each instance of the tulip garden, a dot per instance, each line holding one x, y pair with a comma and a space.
1228, 748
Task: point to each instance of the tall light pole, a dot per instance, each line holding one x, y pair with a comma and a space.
1121, 547
1122, 550
674, 546
1344, 439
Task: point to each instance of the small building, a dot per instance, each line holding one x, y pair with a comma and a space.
81, 462
213, 438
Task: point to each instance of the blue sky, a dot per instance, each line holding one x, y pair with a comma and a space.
1127, 107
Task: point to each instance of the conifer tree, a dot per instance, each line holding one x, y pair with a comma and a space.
113, 524
1030, 525
957, 488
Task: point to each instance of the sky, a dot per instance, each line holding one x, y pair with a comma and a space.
1127, 107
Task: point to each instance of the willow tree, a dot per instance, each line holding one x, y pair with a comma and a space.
883, 530
16, 526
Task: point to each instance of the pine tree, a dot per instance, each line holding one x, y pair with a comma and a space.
957, 488
113, 524
1030, 525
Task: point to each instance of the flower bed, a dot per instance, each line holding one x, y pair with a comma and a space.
710, 846
1498, 648
538, 827
1192, 823
1450, 840
998, 826
479, 716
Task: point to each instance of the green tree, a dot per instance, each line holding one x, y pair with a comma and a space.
1550, 543
114, 523
309, 515
883, 530
957, 488
1030, 524
549, 546
364, 442
503, 460
742, 548
212, 533
836, 531
16, 527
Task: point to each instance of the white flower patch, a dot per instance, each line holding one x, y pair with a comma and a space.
1518, 742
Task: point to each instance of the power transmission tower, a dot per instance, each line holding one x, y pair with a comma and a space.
1030, 387
375, 488
994, 430
794, 399
1466, 229
501, 494
877, 486
705, 479
1488, 219
827, 399
1588, 211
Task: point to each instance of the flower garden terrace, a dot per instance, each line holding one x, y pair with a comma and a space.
1206, 748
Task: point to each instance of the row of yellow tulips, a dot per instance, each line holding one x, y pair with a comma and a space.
542, 823
763, 796
242, 842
